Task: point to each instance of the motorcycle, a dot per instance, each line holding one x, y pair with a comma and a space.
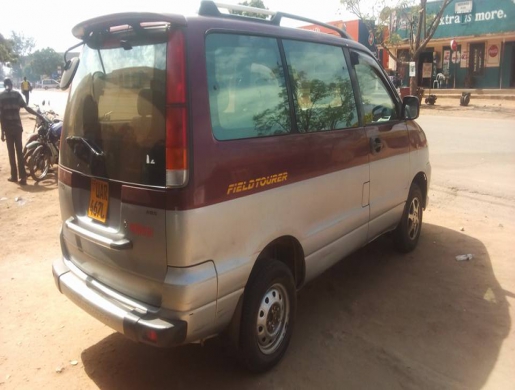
44, 151
50, 115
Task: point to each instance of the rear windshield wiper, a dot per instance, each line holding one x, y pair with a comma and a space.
73, 140
84, 149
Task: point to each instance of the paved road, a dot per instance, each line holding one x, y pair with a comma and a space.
472, 155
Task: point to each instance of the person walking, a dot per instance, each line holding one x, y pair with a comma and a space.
10, 121
26, 88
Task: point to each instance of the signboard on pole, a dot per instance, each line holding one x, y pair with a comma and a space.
412, 69
463, 7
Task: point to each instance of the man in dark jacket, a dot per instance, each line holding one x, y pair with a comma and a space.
10, 104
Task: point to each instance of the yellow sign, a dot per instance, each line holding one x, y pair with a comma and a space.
98, 200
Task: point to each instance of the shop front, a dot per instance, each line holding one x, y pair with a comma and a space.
483, 55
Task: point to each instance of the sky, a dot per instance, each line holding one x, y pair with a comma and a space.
50, 23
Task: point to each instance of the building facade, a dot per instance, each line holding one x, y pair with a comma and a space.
484, 31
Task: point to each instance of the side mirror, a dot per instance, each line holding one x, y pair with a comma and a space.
410, 107
70, 68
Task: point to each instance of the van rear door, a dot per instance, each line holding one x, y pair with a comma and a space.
112, 176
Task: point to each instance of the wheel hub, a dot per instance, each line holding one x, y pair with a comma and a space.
272, 319
414, 218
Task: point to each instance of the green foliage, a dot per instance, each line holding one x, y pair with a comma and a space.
45, 61
251, 3
23, 46
7, 54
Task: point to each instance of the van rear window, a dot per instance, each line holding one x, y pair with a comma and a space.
115, 118
247, 90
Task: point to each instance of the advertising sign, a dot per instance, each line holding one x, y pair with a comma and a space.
427, 70
446, 61
493, 54
456, 57
463, 7
464, 59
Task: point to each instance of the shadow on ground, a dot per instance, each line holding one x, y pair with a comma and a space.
376, 320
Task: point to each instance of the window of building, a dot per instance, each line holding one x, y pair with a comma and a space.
247, 89
322, 90
377, 103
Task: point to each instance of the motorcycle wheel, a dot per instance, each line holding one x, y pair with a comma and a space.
39, 163
26, 157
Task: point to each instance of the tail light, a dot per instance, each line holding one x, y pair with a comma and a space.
176, 113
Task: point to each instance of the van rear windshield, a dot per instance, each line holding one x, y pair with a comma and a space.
115, 118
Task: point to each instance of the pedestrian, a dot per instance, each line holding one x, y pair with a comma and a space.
26, 88
10, 121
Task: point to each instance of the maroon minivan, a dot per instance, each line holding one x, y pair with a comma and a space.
212, 165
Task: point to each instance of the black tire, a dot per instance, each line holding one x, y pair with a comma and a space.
26, 157
406, 235
268, 315
39, 163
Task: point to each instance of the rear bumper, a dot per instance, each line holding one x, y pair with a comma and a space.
136, 320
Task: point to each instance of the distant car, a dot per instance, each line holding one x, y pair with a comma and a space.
47, 83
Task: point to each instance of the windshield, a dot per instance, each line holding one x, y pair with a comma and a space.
114, 123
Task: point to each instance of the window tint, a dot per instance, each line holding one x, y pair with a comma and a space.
117, 105
323, 95
247, 93
378, 105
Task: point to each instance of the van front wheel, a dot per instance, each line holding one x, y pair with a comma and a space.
267, 316
407, 233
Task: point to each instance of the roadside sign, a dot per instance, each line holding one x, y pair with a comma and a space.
463, 7
493, 51
412, 69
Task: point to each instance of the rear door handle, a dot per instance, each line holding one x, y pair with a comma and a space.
120, 244
375, 145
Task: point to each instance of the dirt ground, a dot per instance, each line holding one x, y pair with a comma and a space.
375, 320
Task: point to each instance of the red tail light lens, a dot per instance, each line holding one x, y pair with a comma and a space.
176, 146
176, 113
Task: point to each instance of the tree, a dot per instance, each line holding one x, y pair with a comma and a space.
23, 47
45, 61
7, 54
420, 25
251, 3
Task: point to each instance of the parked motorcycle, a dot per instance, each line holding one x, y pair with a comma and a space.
45, 150
51, 116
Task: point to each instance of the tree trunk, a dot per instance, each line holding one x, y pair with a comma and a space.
413, 86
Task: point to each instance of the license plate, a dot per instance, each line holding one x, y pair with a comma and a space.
98, 200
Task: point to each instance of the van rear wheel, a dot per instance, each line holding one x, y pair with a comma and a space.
406, 235
267, 317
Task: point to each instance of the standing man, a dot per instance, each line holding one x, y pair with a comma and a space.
10, 104
25, 89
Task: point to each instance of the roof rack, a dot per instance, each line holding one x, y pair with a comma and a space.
211, 8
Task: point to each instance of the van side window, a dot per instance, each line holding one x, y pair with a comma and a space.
322, 90
247, 89
377, 103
